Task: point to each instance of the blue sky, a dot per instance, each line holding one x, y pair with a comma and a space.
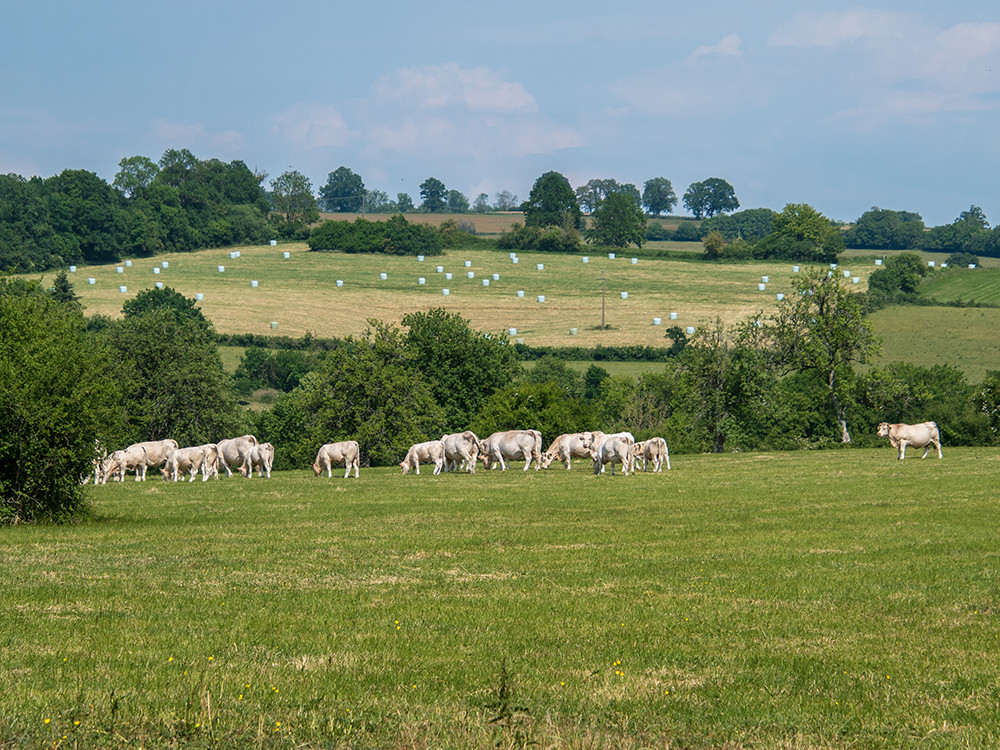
843, 106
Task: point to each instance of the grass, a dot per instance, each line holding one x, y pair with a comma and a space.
981, 285
300, 292
965, 338
852, 604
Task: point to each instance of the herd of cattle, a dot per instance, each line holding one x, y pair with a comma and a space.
460, 451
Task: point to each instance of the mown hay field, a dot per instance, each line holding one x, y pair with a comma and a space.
300, 293
851, 603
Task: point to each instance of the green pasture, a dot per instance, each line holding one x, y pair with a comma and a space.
966, 338
851, 603
963, 285
300, 294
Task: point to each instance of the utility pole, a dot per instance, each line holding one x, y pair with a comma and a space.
604, 280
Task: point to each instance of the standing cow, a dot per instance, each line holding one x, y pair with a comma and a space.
568, 446
431, 452
924, 435
261, 458
500, 447
121, 461
653, 450
158, 453
186, 461
461, 448
616, 448
234, 453
347, 452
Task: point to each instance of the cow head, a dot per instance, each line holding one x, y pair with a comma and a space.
405, 466
548, 458
486, 460
883, 429
317, 470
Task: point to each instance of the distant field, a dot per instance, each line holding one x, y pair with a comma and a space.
980, 284
966, 338
300, 292
851, 604
485, 224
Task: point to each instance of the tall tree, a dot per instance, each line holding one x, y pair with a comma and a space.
135, 174
292, 198
821, 327
552, 202
481, 204
710, 197
404, 203
433, 195
800, 232
658, 196
344, 191
618, 222
457, 202
506, 201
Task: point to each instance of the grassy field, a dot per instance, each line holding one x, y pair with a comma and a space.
981, 285
300, 292
852, 604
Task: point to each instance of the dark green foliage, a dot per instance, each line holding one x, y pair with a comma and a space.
901, 273
658, 196
552, 370
167, 364
62, 290
550, 239
369, 391
687, 231
902, 392
970, 232
618, 222
183, 309
987, 402
344, 191
463, 367
882, 229
433, 196
394, 236
55, 394
962, 260
534, 406
801, 233
750, 225
710, 197
280, 369
552, 202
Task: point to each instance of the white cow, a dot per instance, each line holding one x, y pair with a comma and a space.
347, 452
261, 458
616, 448
653, 450
235, 452
121, 461
431, 452
924, 435
503, 446
211, 459
186, 461
461, 448
158, 453
567, 446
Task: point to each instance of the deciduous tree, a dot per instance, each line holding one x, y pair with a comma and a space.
552, 202
618, 222
658, 196
433, 195
710, 197
344, 191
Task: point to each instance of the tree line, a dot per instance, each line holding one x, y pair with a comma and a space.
787, 380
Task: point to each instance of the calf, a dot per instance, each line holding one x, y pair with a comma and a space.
568, 446
431, 452
653, 450
347, 452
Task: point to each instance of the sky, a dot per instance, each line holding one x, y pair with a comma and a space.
843, 106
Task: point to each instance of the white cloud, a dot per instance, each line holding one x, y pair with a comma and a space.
311, 126
834, 28
441, 86
442, 110
964, 48
729, 46
197, 137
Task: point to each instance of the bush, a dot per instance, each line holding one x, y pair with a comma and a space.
395, 236
551, 239
55, 402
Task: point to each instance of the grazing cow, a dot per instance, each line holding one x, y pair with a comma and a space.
616, 448
347, 452
186, 461
924, 435
119, 462
503, 446
565, 447
653, 450
431, 452
211, 459
261, 458
461, 448
158, 453
235, 452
